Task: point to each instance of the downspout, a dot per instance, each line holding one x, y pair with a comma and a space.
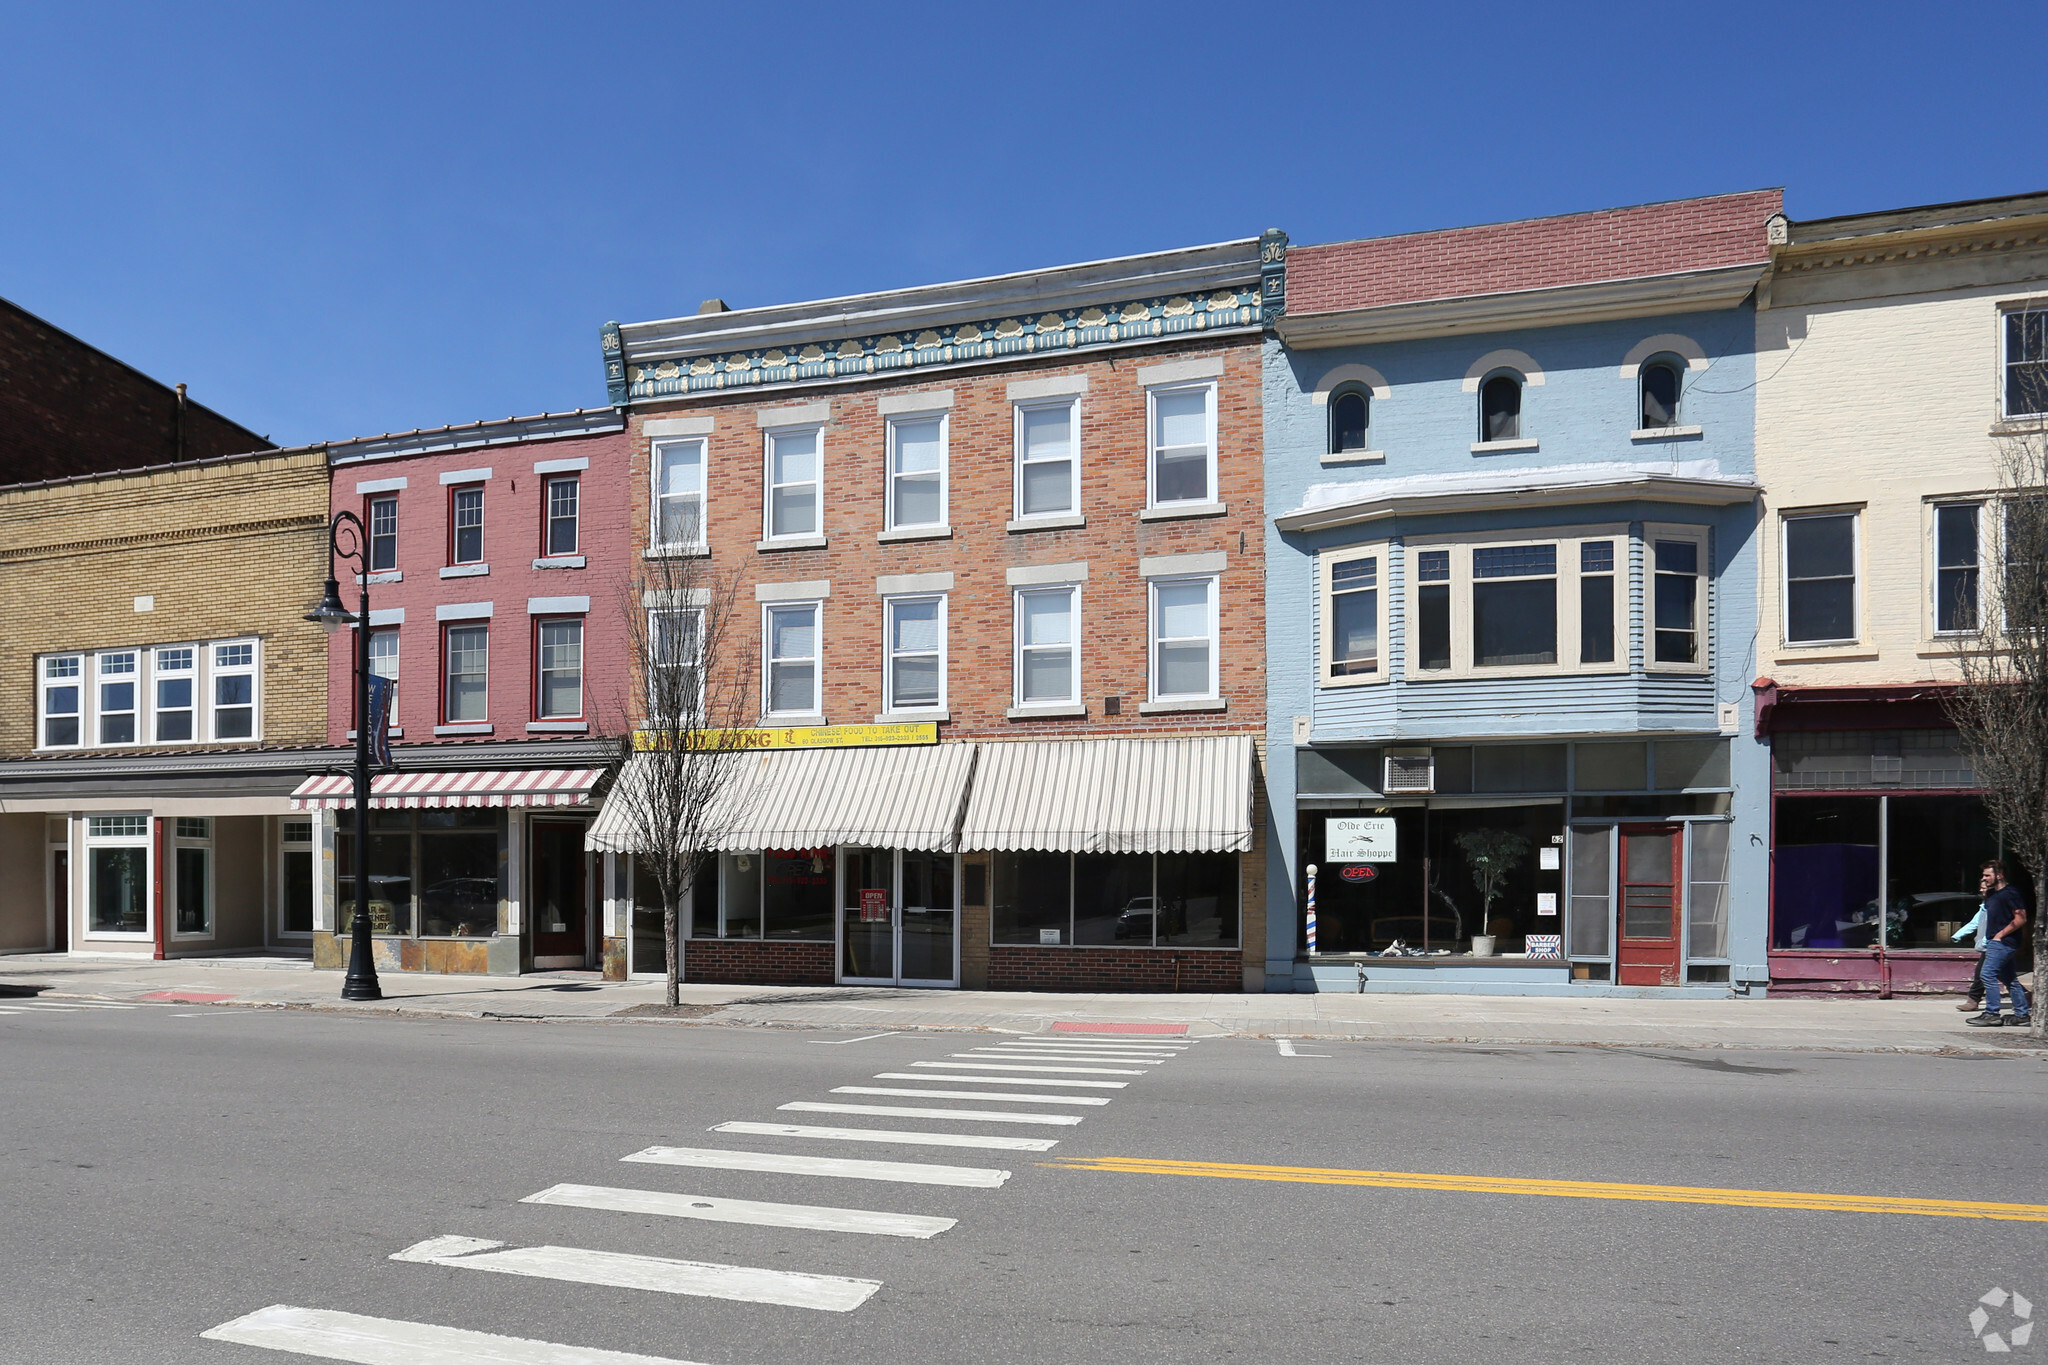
180, 422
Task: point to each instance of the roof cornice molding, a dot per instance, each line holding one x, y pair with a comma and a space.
1632, 486
308, 759
1692, 291
1895, 246
1162, 296
549, 426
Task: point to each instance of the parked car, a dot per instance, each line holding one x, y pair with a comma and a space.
1135, 920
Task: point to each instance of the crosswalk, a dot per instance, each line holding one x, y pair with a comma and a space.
1015, 1072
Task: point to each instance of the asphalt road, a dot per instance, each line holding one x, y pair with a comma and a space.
169, 1170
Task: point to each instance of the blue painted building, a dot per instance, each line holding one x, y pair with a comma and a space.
1512, 549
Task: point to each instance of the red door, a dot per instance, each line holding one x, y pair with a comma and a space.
560, 924
1650, 903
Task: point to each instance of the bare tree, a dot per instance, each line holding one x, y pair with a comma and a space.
678, 789
2000, 603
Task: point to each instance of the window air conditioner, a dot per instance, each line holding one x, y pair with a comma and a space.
1409, 773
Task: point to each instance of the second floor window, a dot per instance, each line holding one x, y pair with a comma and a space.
467, 699
1955, 568
792, 658
793, 484
674, 668
1355, 617
1048, 669
383, 534
678, 494
917, 658
1596, 602
560, 691
117, 699
61, 696
1183, 638
174, 684
2026, 362
1677, 633
1820, 578
466, 526
1046, 485
564, 505
1183, 444
384, 663
917, 472
234, 691
1514, 605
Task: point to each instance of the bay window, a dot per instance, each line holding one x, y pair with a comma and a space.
1351, 619
1514, 605
1596, 602
1503, 603
1678, 597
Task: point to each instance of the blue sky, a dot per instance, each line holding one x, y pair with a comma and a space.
340, 220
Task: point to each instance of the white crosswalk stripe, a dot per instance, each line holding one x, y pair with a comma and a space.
910, 1139
387, 1341
659, 1274
714, 1210
967, 1095
1019, 1066
996, 1080
1138, 1057
844, 1168
1082, 1045
906, 1111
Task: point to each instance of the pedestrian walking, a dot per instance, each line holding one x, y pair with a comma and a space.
1973, 931
2005, 920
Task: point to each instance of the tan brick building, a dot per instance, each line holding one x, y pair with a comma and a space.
159, 699
1024, 512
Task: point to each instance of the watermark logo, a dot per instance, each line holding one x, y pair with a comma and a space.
2003, 1321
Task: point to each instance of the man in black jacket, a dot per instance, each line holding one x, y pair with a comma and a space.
2005, 924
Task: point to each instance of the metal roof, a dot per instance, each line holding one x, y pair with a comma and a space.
1181, 795
491, 787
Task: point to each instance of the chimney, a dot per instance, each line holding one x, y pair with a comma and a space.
712, 306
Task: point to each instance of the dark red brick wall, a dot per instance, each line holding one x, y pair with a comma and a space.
1536, 253
756, 963
1143, 970
67, 409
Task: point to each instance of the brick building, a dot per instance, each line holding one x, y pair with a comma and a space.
1015, 521
159, 694
67, 408
497, 557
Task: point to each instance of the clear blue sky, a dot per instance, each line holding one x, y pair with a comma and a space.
345, 219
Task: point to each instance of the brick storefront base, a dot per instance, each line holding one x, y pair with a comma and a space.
743, 963
1146, 970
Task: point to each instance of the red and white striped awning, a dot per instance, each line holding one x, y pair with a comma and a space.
492, 787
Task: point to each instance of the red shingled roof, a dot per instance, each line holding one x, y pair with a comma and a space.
1535, 253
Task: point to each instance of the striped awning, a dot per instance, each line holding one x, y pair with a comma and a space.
907, 797
488, 787
1190, 795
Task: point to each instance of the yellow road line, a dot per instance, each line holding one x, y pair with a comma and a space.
1567, 1189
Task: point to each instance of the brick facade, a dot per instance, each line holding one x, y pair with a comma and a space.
742, 962
1151, 971
67, 408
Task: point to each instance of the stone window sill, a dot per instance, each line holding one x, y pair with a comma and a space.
1162, 708
559, 562
1824, 654
791, 543
911, 717
791, 722
1178, 511
558, 726
916, 533
1501, 447
465, 571
1355, 457
1046, 712
382, 576
1666, 434
676, 552
1065, 521
395, 732
482, 729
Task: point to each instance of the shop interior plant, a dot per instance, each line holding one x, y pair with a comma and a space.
1490, 855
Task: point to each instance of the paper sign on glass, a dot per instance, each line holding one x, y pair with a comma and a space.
1546, 902
1546, 858
874, 904
1359, 839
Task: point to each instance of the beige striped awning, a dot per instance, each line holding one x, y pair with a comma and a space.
907, 797
485, 787
1182, 795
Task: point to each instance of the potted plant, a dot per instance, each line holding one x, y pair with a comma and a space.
1490, 854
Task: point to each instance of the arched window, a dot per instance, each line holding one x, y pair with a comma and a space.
1500, 408
1350, 421
1660, 389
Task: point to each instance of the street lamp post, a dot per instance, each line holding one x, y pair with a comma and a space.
361, 981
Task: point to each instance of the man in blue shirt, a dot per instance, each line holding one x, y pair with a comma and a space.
2005, 920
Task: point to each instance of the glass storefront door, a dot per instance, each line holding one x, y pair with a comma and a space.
898, 918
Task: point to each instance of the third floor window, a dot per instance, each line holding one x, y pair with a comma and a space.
383, 534
564, 516
466, 526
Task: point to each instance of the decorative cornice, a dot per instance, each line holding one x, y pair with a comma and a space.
548, 426
1540, 488
108, 544
1902, 248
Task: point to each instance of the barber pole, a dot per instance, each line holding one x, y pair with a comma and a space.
1311, 909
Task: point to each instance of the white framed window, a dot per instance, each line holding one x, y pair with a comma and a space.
1676, 564
678, 468
1958, 586
1048, 458
1354, 615
1048, 634
192, 877
917, 471
2026, 361
915, 670
118, 699
791, 682
466, 698
384, 664
1184, 645
466, 525
117, 877
1819, 553
1181, 419
795, 482
558, 690
60, 702
174, 682
675, 682
1516, 602
562, 508
1500, 407
383, 533
234, 690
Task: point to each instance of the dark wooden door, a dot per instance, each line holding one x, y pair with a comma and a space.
60, 900
560, 915
1650, 903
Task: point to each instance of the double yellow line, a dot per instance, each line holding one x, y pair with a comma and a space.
1566, 1189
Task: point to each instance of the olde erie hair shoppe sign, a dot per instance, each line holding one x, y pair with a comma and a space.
1359, 839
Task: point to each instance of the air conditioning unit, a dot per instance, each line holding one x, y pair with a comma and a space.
1409, 772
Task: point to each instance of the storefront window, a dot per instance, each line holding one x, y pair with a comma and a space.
1592, 891
796, 893
1116, 900
192, 854
297, 915
1824, 874
1033, 898
1495, 870
117, 871
1113, 901
1935, 849
1197, 899
1707, 898
741, 873
441, 865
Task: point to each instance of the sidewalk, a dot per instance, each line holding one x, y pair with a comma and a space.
1923, 1025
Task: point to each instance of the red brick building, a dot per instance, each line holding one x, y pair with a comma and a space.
1022, 512
67, 408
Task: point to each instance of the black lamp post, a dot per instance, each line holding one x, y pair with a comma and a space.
361, 981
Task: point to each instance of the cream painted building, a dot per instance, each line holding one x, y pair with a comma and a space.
1888, 346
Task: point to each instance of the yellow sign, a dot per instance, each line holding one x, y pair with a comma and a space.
806, 737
